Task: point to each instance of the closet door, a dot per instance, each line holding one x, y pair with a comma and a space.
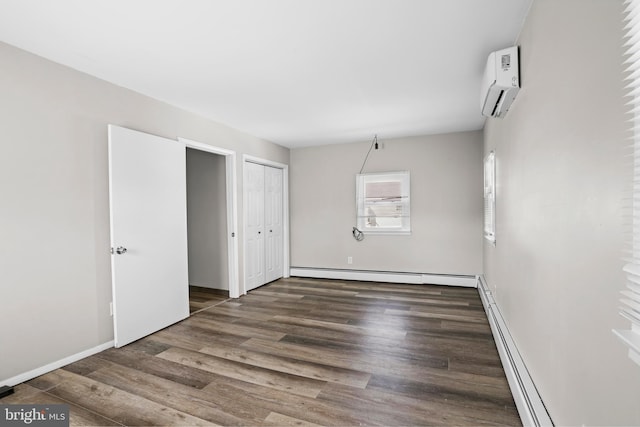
264, 225
255, 242
273, 223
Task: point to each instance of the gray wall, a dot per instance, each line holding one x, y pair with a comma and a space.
563, 174
446, 205
55, 279
207, 220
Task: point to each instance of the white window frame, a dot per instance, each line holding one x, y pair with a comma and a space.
490, 197
630, 300
404, 205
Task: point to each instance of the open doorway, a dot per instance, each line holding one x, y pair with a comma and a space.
212, 222
207, 229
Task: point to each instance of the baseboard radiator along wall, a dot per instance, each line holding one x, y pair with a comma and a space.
385, 276
530, 406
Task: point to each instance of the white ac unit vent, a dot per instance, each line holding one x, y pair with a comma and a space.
501, 82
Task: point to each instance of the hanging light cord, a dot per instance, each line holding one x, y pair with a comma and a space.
357, 233
374, 142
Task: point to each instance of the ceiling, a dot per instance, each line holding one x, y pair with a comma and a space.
295, 72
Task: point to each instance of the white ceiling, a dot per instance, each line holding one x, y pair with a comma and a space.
295, 72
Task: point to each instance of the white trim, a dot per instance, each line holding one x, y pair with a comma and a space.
632, 339
285, 222
243, 285
450, 280
206, 147
630, 299
528, 401
232, 209
285, 214
490, 197
232, 226
264, 162
385, 276
26, 376
385, 232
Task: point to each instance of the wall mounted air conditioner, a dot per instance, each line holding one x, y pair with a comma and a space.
501, 82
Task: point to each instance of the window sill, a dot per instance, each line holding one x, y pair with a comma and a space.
386, 233
632, 339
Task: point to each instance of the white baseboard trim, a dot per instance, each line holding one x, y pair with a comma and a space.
26, 376
528, 401
385, 276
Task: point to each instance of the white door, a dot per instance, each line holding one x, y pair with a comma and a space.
273, 223
147, 179
254, 189
264, 226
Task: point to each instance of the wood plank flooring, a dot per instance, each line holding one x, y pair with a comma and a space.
202, 298
299, 352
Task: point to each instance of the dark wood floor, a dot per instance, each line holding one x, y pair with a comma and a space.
299, 352
203, 298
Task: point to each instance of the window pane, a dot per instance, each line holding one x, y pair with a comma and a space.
384, 191
383, 202
489, 197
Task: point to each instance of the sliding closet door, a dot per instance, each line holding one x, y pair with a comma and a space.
255, 242
273, 223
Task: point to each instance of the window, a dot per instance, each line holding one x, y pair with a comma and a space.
382, 201
630, 307
490, 197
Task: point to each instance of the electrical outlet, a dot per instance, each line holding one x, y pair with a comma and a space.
349, 260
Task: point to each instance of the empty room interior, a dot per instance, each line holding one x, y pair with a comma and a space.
306, 212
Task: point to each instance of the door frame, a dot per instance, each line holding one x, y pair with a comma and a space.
232, 208
246, 158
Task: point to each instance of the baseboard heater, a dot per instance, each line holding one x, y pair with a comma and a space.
385, 276
530, 406
5, 391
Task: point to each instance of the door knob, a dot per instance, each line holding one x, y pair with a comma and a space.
121, 250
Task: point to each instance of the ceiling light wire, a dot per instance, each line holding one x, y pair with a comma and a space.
374, 142
356, 232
